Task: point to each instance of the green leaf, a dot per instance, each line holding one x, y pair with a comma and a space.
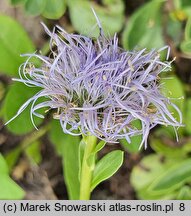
184, 193
14, 2
165, 150
35, 7
144, 194
33, 152
67, 146
173, 88
188, 115
148, 170
188, 29
134, 146
54, 9
185, 3
174, 30
99, 146
173, 178
185, 46
187, 147
2, 90
8, 188
106, 167
16, 96
3, 166
143, 26
165, 132
83, 19
12, 157
12, 48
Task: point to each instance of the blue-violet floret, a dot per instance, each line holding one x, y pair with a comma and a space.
99, 88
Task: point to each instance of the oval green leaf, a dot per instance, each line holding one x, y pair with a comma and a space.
14, 2
106, 167
184, 193
173, 88
15, 98
188, 29
188, 116
12, 48
147, 170
99, 146
67, 146
35, 7
134, 146
9, 189
173, 178
163, 149
185, 46
144, 27
110, 14
54, 9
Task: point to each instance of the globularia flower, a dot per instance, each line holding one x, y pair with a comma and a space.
99, 88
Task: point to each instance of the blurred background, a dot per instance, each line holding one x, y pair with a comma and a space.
33, 164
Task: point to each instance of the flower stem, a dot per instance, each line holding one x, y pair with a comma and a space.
87, 168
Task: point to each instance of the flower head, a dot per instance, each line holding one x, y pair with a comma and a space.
95, 85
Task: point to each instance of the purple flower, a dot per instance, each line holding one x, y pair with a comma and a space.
99, 88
